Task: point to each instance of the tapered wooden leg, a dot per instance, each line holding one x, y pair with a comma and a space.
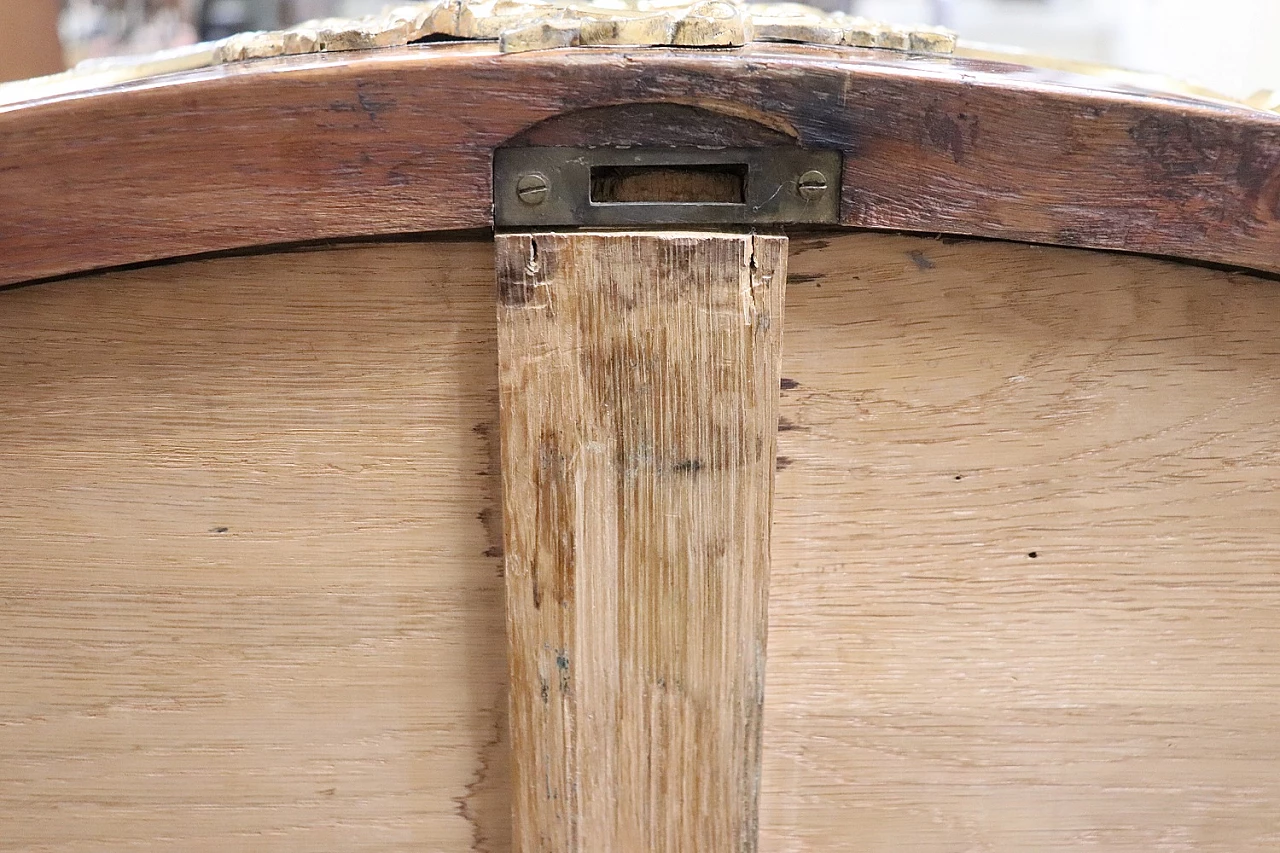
639, 393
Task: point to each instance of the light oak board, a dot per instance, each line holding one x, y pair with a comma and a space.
329, 671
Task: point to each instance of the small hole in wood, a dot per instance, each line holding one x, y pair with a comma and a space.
1033, 554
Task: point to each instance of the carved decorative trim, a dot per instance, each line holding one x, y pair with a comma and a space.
522, 25
517, 26
1266, 99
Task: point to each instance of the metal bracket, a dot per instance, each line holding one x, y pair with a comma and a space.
563, 187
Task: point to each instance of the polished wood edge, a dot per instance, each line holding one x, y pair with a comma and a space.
401, 140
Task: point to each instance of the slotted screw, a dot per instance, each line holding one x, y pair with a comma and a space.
532, 188
812, 185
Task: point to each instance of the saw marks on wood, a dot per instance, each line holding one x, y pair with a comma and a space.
639, 386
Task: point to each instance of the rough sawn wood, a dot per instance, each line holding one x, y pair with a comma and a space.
639, 390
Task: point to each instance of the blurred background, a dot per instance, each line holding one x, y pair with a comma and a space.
1231, 46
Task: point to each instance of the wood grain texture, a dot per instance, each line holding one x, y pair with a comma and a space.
1026, 578
639, 390
251, 592
328, 672
401, 140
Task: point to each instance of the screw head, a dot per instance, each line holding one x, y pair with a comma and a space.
533, 188
812, 185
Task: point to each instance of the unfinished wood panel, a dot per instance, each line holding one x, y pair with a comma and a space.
1026, 579
251, 595
639, 390
328, 672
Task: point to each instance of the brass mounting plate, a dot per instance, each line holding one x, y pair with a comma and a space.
552, 187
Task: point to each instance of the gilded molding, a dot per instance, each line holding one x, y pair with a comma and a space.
522, 25
517, 26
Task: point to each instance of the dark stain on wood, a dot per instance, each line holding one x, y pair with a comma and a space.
1259, 175
946, 133
373, 101
920, 260
553, 562
650, 124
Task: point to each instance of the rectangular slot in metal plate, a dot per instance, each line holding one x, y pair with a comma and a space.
566, 187
710, 183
